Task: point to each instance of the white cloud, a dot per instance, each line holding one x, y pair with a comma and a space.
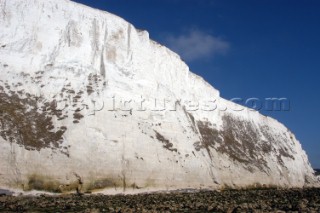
196, 45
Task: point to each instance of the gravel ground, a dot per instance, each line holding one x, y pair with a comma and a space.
265, 200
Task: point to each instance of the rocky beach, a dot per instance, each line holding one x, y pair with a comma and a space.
251, 200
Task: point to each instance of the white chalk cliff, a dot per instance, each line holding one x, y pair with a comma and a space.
67, 75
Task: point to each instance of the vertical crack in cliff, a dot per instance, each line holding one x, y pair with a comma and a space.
102, 66
129, 39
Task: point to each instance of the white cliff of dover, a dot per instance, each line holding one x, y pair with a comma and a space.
67, 75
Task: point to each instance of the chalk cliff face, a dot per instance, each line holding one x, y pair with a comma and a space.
82, 98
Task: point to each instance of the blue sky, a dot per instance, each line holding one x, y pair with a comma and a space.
262, 49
